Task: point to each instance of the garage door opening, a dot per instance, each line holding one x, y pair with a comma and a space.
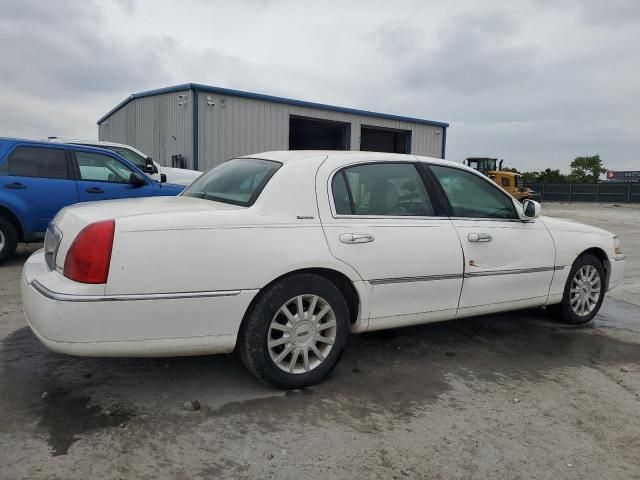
314, 134
376, 139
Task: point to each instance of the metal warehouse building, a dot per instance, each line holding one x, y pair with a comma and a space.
208, 125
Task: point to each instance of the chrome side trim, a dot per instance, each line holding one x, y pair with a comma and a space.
67, 297
509, 272
385, 281
487, 219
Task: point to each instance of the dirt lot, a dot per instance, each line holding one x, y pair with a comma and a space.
503, 396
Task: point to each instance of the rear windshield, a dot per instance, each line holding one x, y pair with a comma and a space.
238, 181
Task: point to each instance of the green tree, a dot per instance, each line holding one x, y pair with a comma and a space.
530, 177
546, 176
586, 169
551, 176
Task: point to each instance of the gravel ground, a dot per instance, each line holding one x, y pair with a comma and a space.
509, 396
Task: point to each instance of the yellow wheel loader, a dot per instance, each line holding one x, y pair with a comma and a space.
510, 181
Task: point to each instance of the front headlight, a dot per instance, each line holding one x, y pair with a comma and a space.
617, 247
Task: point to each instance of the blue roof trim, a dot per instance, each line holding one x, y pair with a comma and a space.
444, 142
196, 129
267, 98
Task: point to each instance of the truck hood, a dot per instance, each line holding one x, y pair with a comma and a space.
562, 225
180, 176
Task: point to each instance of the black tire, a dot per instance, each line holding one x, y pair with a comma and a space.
255, 331
563, 311
8, 239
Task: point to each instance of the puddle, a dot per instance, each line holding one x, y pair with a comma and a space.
381, 382
65, 418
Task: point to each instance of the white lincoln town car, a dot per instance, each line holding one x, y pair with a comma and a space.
282, 255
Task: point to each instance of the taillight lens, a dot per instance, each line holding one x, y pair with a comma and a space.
52, 240
89, 256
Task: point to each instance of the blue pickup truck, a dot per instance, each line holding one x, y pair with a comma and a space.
37, 179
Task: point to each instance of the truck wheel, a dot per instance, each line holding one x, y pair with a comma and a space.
8, 239
583, 293
295, 333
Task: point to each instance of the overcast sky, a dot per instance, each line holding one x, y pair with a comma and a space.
534, 82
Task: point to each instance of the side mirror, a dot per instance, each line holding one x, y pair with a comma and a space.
149, 166
163, 178
136, 179
531, 209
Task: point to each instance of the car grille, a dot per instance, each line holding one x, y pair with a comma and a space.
52, 240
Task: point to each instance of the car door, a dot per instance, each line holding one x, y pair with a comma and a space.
103, 177
508, 262
383, 221
40, 182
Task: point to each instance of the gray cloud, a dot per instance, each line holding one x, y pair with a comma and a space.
536, 82
471, 54
607, 13
65, 51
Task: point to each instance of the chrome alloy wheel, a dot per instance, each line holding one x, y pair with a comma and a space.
585, 290
301, 334
2, 241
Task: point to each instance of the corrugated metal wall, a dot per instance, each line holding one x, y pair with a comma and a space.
234, 126
231, 126
159, 125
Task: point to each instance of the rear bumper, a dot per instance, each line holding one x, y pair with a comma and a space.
67, 318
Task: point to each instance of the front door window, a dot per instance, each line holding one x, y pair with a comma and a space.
471, 196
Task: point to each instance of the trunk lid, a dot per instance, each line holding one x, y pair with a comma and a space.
71, 220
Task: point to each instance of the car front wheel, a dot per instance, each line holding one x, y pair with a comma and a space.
583, 292
296, 331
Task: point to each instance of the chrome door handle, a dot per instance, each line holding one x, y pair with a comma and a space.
479, 237
357, 237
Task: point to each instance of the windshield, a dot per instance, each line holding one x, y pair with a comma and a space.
138, 160
238, 181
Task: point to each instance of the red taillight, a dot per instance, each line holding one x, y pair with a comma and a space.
89, 256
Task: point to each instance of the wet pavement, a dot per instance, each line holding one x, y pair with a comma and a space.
514, 395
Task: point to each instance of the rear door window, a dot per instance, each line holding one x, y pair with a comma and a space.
381, 189
40, 162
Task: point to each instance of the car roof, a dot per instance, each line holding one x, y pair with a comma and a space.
48, 144
21, 140
288, 156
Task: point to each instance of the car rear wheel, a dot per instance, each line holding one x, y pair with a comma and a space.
583, 292
296, 331
8, 239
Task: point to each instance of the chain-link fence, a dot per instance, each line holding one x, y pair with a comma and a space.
588, 192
